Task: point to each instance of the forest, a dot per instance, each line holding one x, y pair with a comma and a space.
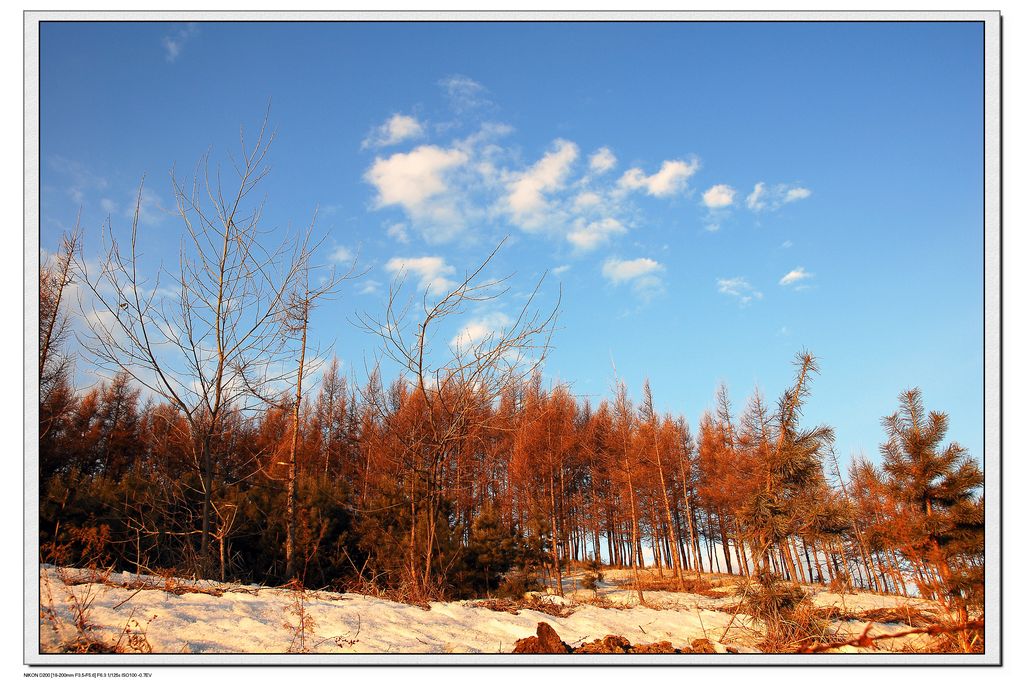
211, 449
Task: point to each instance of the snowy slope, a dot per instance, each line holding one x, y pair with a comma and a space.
251, 619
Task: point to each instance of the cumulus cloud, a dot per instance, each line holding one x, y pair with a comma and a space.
771, 198
398, 128
795, 276
739, 288
718, 196
411, 178
601, 161
526, 199
432, 272
417, 181
588, 235
671, 179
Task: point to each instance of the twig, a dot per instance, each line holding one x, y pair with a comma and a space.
865, 641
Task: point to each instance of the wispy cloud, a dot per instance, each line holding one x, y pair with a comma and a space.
369, 287
341, 255
671, 179
398, 232
771, 198
174, 42
561, 269
589, 235
481, 330
642, 274
464, 93
795, 276
739, 288
80, 178
398, 128
432, 272
152, 211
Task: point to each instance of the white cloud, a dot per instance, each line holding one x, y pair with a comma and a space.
417, 181
601, 161
561, 269
431, 271
771, 198
585, 201
794, 194
754, 200
398, 128
480, 331
618, 271
794, 276
739, 288
719, 195
587, 236
341, 255
411, 178
671, 179
526, 192
642, 274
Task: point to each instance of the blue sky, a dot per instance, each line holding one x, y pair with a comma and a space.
712, 198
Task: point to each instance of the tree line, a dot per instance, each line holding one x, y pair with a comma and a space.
206, 451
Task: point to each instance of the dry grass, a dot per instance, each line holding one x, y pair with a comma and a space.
514, 606
84, 638
688, 584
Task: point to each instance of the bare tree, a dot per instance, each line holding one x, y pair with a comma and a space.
454, 382
211, 335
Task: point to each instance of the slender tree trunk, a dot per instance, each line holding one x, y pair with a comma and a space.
554, 533
725, 542
293, 475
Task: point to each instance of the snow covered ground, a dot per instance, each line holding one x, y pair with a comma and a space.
251, 619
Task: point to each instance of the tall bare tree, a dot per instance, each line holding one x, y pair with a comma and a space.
203, 335
453, 382
295, 324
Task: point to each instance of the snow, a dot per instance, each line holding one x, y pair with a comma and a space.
253, 619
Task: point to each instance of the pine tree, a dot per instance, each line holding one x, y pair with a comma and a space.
937, 489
